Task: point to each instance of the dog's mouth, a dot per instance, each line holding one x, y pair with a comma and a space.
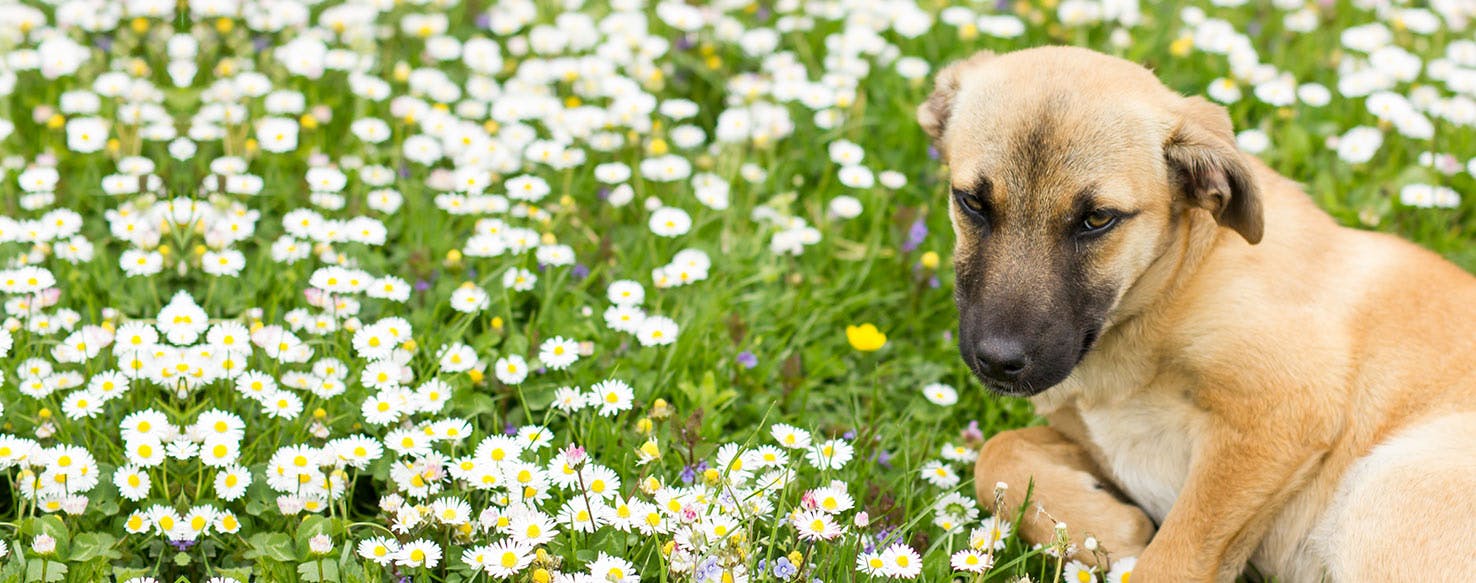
1087, 341
1025, 388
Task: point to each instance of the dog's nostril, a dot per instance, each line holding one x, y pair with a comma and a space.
1002, 359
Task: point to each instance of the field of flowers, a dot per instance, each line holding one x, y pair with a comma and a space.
455, 290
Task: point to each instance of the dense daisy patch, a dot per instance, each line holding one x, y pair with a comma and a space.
450, 290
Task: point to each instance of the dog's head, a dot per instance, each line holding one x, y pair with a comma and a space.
1071, 173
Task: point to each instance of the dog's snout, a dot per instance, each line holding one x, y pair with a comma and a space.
1001, 359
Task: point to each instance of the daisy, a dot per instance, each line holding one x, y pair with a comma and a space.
1076, 572
558, 353
939, 474
612, 396
670, 222
901, 562
813, 525
830, 455
971, 561
518, 279
941, 394
613, 569
789, 436
469, 299
511, 369
419, 553
231, 482
132, 482
657, 331
1122, 570
381, 550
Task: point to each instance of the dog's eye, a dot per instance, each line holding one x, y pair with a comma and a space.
974, 202
1098, 221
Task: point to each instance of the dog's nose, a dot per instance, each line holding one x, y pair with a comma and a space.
1001, 359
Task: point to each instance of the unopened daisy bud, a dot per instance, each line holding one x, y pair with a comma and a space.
1181, 46
660, 409
320, 544
44, 544
1000, 488
224, 25
113, 145
476, 376
44, 413
319, 413
200, 250
402, 71
1090, 544
796, 558
929, 260
497, 322
644, 425
491, 126
56, 121
572, 102
862, 519
139, 24
308, 121
541, 556
252, 146
711, 476
453, 257
657, 147
549, 239
540, 575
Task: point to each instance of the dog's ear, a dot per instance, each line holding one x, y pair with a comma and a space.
1209, 170
933, 114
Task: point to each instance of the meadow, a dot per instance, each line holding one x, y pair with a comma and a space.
456, 290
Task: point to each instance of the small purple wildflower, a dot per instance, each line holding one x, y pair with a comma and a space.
747, 359
915, 236
784, 569
579, 272
509, 429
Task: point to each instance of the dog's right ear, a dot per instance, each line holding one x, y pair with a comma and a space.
933, 114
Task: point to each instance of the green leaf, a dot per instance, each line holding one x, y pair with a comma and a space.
311, 570
92, 545
273, 546
43, 570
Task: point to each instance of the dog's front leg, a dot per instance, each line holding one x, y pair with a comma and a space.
1239, 479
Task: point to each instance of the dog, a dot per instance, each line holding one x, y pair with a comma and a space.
1064, 487
1269, 387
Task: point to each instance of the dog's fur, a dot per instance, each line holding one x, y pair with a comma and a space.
1268, 386
1064, 486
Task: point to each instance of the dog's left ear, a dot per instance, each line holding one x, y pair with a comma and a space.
1209, 169
934, 113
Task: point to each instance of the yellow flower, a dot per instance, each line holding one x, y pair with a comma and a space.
1181, 46
929, 260
865, 337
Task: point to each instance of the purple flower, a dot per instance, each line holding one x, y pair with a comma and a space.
404, 170
973, 433
579, 272
603, 194
421, 285
932, 153
483, 20
182, 545
689, 473
948, 336
915, 236
509, 429
747, 359
933, 282
849, 434
883, 458
784, 569
103, 43
709, 570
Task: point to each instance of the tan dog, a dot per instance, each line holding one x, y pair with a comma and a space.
1064, 484
1266, 385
